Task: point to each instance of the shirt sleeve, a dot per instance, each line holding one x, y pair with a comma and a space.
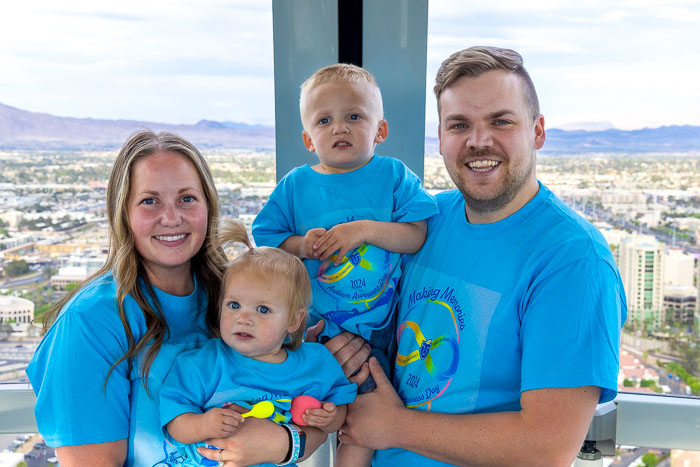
571, 328
342, 391
76, 402
411, 202
274, 223
182, 391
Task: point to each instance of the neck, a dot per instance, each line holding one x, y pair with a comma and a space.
475, 216
179, 283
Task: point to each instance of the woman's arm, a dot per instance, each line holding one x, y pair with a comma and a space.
257, 441
104, 454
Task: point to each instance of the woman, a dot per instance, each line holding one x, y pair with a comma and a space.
110, 341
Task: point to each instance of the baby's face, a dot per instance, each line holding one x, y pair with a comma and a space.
255, 317
342, 125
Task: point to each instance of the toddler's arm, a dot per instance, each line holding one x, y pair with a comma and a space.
190, 428
329, 418
302, 246
398, 237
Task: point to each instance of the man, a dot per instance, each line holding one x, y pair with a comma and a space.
510, 315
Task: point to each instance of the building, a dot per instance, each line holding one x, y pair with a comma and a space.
15, 309
679, 268
642, 269
681, 303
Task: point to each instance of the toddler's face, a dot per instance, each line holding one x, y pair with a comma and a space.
343, 125
255, 317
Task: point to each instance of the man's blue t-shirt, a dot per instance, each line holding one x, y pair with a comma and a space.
488, 311
357, 295
216, 376
69, 369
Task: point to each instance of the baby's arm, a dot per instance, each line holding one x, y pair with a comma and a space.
302, 246
398, 237
329, 417
190, 428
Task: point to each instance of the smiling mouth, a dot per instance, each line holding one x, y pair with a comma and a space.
341, 144
483, 165
169, 238
243, 335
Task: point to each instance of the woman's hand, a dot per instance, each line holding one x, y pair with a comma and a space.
254, 442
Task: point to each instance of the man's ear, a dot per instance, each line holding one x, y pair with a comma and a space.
539, 132
308, 142
382, 132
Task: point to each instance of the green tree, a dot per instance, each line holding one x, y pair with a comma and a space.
650, 460
627, 383
16, 268
71, 285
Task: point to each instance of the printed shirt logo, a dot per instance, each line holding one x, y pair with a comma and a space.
430, 361
361, 282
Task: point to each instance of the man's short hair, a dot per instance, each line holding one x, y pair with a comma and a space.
340, 73
477, 60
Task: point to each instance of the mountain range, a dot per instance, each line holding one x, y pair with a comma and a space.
21, 129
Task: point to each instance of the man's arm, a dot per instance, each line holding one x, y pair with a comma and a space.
398, 237
548, 430
107, 454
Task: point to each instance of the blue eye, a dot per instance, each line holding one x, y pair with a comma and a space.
354, 117
188, 199
233, 305
263, 309
324, 120
148, 201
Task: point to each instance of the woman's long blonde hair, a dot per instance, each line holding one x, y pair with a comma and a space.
208, 264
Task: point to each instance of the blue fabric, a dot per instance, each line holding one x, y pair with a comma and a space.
488, 311
217, 376
357, 295
68, 370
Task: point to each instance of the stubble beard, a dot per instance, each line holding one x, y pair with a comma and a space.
495, 200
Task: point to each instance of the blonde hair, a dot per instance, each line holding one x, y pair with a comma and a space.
276, 265
477, 60
208, 264
340, 73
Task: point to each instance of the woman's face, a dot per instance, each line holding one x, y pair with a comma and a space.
167, 212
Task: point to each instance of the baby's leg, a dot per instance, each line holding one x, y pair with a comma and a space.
353, 456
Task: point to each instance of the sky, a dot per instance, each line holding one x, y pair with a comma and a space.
595, 64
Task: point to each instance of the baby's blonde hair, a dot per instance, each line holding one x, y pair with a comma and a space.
340, 73
274, 264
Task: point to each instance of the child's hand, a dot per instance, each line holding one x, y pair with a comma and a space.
322, 417
220, 423
307, 244
342, 238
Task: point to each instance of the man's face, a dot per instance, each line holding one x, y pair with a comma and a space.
488, 141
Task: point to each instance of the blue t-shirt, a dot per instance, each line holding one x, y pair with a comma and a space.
488, 311
68, 371
357, 295
216, 376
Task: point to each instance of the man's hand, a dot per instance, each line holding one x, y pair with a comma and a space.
372, 417
350, 350
342, 238
308, 241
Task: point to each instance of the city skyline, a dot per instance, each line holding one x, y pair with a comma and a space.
596, 65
